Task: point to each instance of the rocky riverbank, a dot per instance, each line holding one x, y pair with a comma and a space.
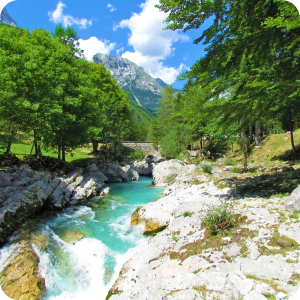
25, 193
258, 258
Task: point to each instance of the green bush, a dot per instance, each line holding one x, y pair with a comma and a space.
187, 214
207, 168
235, 170
137, 154
229, 161
219, 219
170, 178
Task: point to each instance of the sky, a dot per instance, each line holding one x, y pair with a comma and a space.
128, 28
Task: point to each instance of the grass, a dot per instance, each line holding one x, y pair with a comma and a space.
235, 170
219, 218
295, 215
271, 146
207, 168
22, 148
202, 289
170, 178
271, 283
229, 161
284, 244
187, 214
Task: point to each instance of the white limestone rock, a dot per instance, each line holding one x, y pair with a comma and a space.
292, 202
165, 172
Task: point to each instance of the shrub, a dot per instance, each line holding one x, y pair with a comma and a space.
229, 161
235, 170
207, 168
219, 218
137, 154
170, 178
187, 214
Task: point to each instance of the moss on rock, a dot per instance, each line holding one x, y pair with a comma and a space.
20, 277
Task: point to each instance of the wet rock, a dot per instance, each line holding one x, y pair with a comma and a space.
20, 277
105, 191
71, 236
144, 168
5, 179
119, 173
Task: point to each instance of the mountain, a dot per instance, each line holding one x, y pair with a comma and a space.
142, 88
6, 18
160, 82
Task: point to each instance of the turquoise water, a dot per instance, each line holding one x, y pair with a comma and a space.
87, 269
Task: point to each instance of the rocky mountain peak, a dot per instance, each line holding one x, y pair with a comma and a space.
6, 18
143, 88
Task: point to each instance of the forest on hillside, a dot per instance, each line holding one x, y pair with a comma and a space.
246, 85
49, 92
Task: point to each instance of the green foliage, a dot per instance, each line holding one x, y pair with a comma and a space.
170, 179
207, 168
229, 161
175, 140
137, 154
64, 100
249, 74
219, 219
235, 170
295, 214
187, 214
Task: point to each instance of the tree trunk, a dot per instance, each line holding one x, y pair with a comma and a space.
38, 151
245, 149
257, 125
10, 141
32, 148
59, 156
95, 146
250, 134
8, 146
63, 153
291, 130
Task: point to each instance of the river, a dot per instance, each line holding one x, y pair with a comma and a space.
88, 269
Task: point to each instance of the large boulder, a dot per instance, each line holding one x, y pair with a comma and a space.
26, 194
144, 168
116, 172
71, 236
19, 278
292, 202
164, 173
154, 158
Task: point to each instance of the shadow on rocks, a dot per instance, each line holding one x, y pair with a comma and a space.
265, 185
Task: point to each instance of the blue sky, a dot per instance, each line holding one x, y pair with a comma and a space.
127, 28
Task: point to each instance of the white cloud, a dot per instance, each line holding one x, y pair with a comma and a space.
150, 42
120, 50
57, 16
93, 46
155, 67
111, 7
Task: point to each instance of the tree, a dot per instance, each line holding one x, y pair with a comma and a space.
68, 37
253, 51
13, 74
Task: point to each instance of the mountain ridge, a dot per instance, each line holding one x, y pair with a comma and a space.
143, 88
5, 18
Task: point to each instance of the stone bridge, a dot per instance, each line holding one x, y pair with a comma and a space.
145, 146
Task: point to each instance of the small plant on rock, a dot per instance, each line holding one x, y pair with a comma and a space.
207, 168
170, 178
219, 218
187, 214
229, 162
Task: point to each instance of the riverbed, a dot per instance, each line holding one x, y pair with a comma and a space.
88, 268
